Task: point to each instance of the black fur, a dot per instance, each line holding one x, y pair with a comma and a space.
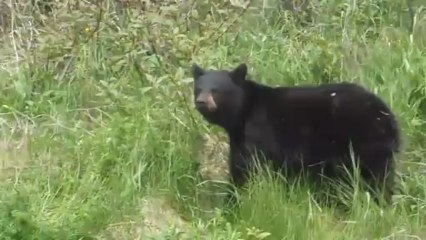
316, 122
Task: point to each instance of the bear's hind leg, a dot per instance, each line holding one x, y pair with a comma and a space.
377, 168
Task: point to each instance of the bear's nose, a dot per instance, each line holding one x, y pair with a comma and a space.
205, 102
200, 103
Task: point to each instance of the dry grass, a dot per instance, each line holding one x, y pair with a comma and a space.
101, 144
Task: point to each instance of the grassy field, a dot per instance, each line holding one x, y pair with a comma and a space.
100, 140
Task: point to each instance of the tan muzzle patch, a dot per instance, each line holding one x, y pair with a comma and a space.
211, 104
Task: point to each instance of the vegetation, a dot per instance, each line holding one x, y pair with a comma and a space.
98, 130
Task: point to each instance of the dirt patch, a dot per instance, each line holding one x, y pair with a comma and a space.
14, 156
158, 219
213, 150
213, 155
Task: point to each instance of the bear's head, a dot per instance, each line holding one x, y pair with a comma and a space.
219, 95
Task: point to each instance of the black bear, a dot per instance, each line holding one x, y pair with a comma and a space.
314, 128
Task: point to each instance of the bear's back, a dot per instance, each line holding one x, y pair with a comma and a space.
321, 120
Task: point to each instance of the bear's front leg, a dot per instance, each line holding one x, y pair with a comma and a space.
239, 167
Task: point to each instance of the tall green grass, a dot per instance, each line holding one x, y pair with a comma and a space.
99, 104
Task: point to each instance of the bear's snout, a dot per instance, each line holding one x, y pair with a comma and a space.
205, 102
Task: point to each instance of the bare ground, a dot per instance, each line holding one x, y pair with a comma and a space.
14, 154
159, 218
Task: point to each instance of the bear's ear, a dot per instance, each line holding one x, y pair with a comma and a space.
196, 71
238, 75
